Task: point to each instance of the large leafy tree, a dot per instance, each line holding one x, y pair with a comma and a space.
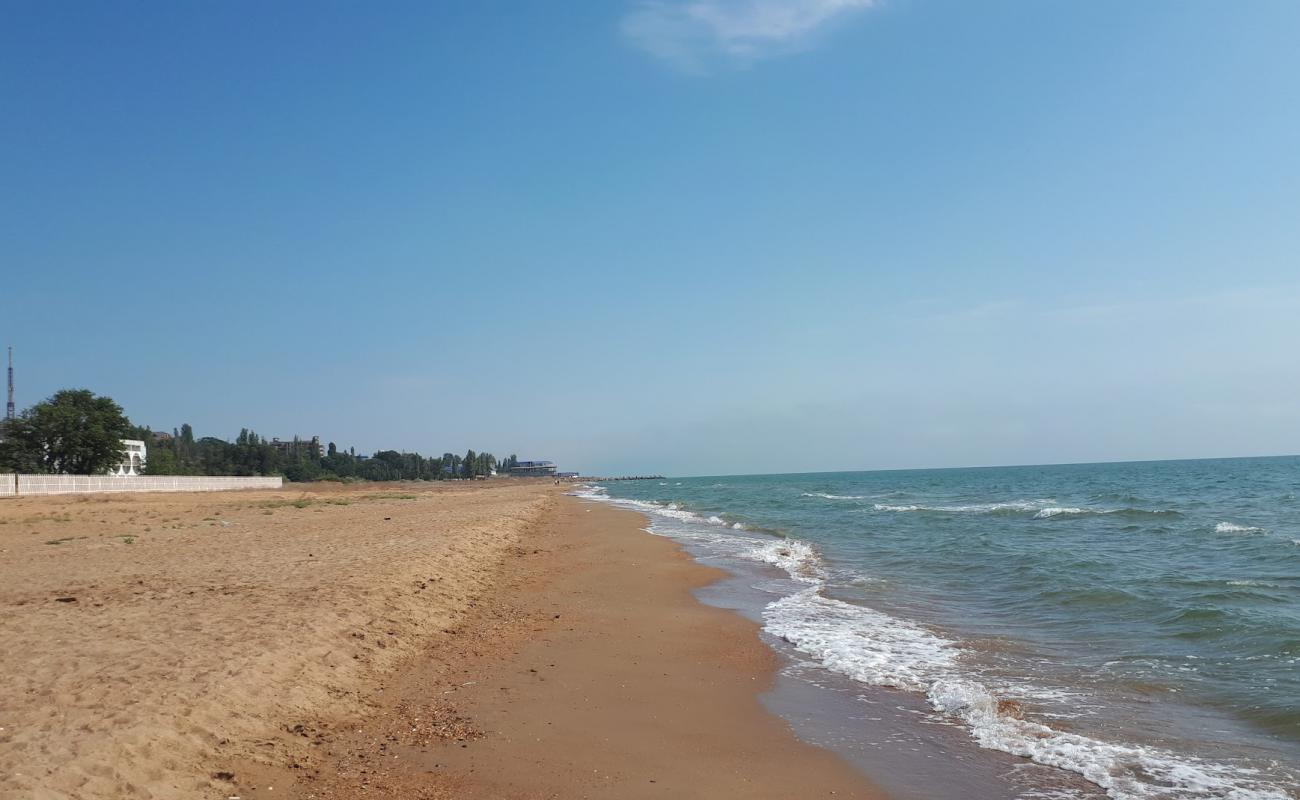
75, 432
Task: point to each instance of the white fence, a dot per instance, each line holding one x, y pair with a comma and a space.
86, 484
8, 485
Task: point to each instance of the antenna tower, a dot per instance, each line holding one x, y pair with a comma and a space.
9, 409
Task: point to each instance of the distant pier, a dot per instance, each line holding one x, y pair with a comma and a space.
593, 479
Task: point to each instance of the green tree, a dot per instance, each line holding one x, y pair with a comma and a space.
73, 432
161, 460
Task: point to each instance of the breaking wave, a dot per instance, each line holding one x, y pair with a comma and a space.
878, 649
1035, 509
671, 510
975, 508
795, 557
1231, 527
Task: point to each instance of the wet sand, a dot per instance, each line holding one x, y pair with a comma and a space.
554, 650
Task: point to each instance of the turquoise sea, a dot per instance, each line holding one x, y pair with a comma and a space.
1135, 626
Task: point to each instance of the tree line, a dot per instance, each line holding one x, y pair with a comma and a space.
77, 432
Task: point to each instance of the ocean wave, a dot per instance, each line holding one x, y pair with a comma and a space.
878, 649
864, 644
1057, 511
1232, 527
974, 508
669, 510
1038, 509
795, 557
881, 650
1127, 772
1048, 513
826, 496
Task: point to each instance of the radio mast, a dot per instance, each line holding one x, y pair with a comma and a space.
9, 409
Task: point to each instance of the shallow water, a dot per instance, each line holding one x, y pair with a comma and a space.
1134, 625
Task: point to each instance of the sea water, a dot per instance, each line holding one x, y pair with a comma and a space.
1135, 626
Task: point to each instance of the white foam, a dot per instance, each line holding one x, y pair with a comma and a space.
1041, 509
1124, 771
880, 650
856, 641
826, 496
795, 557
974, 508
1056, 511
1231, 527
668, 510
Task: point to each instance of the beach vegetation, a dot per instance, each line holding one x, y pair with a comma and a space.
64, 539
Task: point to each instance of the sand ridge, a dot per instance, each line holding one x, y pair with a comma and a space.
148, 639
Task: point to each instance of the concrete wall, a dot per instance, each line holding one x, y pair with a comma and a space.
85, 484
8, 485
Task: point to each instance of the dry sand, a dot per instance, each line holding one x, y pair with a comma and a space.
498, 641
146, 639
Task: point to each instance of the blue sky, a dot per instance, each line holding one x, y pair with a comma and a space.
697, 237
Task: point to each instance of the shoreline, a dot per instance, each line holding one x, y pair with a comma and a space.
928, 694
591, 670
480, 641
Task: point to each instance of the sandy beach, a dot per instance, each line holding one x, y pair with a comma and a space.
476, 641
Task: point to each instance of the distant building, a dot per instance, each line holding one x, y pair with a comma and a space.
567, 474
133, 460
528, 469
310, 446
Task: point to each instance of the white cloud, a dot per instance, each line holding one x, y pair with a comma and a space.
697, 34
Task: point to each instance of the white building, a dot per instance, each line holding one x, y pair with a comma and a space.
133, 459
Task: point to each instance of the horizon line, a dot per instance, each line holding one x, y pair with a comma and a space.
992, 466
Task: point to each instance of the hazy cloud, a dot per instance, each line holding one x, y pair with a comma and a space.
696, 34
